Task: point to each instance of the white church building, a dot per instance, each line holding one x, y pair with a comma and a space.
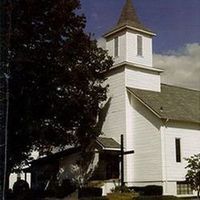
160, 122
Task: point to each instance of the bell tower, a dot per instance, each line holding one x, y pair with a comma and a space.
130, 41
130, 45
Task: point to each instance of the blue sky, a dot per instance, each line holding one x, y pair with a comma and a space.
176, 22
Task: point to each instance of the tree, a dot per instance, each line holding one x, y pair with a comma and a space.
193, 173
56, 79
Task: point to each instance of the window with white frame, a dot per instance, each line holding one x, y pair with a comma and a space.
139, 45
116, 46
183, 188
178, 149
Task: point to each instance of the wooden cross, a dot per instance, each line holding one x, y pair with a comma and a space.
122, 153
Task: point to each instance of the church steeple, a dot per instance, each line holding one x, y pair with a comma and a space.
129, 17
130, 41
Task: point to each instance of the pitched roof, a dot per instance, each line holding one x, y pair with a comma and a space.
129, 18
56, 156
108, 143
105, 143
172, 102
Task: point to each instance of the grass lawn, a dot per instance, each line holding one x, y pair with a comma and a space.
128, 196
122, 197
150, 198
162, 198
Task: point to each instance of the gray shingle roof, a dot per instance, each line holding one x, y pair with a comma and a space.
172, 102
108, 143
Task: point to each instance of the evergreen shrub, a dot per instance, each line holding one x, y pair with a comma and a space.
153, 190
148, 190
159, 198
90, 192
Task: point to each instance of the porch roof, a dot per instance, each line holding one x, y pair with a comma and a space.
56, 156
108, 143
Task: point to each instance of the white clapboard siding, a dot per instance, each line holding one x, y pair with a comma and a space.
142, 79
122, 46
131, 55
128, 48
190, 144
114, 124
142, 135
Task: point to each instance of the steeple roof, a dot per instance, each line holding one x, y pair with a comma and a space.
129, 18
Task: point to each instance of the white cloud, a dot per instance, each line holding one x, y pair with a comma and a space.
181, 68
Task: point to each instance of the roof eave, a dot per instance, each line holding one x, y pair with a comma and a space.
114, 31
157, 114
146, 105
125, 63
181, 120
106, 148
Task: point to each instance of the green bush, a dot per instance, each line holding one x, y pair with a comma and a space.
139, 190
153, 190
122, 193
121, 189
90, 192
64, 190
157, 198
121, 196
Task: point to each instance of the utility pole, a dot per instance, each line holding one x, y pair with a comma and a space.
122, 154
2, 95
5, 33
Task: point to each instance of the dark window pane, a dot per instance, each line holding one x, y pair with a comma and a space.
139, 45
178, 149
183, 188
116, 47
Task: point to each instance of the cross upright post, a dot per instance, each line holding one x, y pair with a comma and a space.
122, 153
122, 160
